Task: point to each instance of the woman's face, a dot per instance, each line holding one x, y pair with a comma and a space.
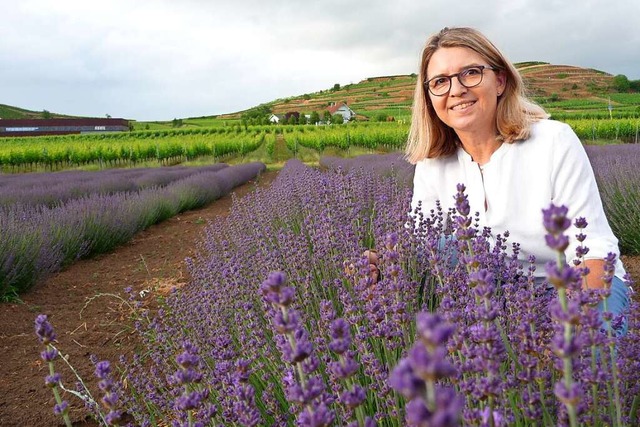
466, 110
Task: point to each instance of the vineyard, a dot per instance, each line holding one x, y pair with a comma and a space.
168, 147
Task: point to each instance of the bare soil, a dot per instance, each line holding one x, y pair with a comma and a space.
89, 319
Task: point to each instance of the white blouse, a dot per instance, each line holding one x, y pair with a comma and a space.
518, 182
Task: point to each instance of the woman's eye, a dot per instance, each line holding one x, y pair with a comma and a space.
471, 71
439, 82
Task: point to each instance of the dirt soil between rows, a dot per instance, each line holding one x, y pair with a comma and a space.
89, 319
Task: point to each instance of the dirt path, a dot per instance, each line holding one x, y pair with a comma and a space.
87, 323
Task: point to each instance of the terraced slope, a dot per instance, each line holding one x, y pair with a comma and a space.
393, 95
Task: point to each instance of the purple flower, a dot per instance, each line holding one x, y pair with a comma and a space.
44, 330
103, 369
462, 201
344, 368
430, 366
580, 222
341, 338
188, 401
286, 323
417, 413
562, 277
302, 347
187, 360
353, 397
554, 219
52, 380
557, 242
61, 408
49, 354
568, 395
432, 329
404, 380
320, 417
113, 418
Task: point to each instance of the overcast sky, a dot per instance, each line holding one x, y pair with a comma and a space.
159, 60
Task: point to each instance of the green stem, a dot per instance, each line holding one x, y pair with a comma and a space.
566, 361
431, 396
634, 408
614, 369
56, 394
594, 386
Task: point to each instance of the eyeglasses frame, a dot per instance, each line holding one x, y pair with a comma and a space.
457, 75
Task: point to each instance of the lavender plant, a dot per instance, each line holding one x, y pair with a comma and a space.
39, 240
44, 332
618, 177
322, 341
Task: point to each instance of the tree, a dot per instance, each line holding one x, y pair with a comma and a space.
326, 116
257, 112
46, 114
337, 119
315, 118
621, 83
336, 87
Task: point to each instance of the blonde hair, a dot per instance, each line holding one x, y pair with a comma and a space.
429, 137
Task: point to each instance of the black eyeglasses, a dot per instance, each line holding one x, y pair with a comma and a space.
469, 77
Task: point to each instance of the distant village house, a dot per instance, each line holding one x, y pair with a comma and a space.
342, 109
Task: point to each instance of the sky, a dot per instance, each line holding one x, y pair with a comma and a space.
159, 60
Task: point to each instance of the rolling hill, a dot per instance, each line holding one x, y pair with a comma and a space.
556, 87
10, 112
393, 95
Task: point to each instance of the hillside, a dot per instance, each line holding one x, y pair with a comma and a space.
10, 112
559, 88
393, 95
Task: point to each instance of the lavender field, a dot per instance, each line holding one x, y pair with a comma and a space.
618, 176
287, 322
49, 220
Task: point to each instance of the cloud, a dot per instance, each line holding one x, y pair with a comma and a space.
157, 59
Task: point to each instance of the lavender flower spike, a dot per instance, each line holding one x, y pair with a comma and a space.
45, 334
44, 330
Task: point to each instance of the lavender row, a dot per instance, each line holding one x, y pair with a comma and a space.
335, 335
56, 188
389, 164
618, 176
37, 241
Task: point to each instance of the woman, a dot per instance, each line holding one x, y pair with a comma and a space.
472, 124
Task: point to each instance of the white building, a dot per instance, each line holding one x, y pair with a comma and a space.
342, 109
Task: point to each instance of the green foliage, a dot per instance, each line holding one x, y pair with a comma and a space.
315, 118
610, 130
621, 83
337, 119
257, 113
336, 87
46, 114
